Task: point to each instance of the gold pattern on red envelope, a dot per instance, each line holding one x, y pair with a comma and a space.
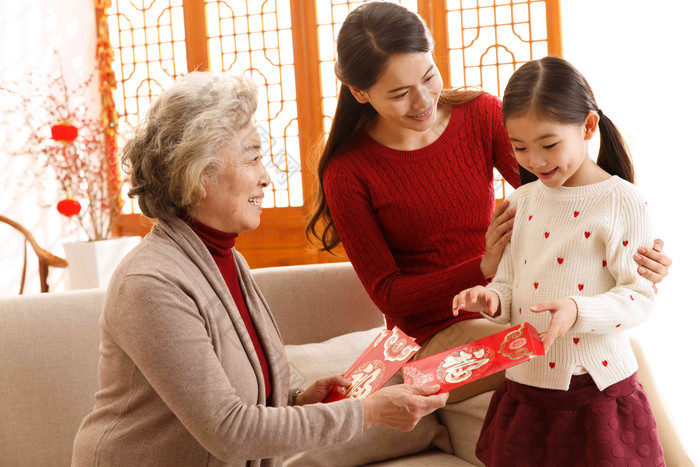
377, 364
363, 380
461, 365
397, 348
514, 345
466, 363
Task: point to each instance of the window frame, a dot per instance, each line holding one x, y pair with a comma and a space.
280, 239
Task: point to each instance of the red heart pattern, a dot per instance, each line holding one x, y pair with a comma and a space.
560, 260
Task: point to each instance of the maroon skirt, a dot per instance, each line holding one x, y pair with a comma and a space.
529, 426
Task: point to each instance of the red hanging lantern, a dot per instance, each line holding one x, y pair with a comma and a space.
64, 132
68, 207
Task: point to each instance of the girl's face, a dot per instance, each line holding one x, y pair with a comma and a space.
557, 153
406, 94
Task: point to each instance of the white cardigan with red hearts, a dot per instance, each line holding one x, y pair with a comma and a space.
577, 242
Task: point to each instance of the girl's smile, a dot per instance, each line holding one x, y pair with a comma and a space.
556, 153
546, 175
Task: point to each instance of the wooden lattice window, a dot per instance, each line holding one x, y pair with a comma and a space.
288, 47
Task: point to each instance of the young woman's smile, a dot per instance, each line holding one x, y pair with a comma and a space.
406, 97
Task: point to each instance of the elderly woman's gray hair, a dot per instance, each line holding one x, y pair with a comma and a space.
180, 139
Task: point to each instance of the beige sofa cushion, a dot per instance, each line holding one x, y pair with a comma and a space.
317, 302
48, 367
431, 458
310, 361
463, 421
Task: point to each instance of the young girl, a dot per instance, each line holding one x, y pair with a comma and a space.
569, 271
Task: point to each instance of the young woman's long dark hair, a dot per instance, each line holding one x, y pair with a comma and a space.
369, 36
554, 89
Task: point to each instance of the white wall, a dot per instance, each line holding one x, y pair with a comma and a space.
642, 59
30, 32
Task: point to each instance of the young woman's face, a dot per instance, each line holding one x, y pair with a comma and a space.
233, 200
556, 153
406, 93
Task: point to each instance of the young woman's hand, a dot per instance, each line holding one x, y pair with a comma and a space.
477, 298
320, 389
564, 313
653, 264
402, 406
497, 237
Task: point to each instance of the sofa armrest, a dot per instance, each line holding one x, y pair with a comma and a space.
49, 352
314, 303
674, 452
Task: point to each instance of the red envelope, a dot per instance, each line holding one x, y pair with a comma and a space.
377, 364
464, 364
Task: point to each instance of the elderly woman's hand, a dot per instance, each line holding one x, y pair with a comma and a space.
402, 406
319, 389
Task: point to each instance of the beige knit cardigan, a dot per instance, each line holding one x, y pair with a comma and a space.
180, 382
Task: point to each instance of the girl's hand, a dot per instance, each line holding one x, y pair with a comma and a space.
320, 388
477, 298
653, 263
497, 237
564, 313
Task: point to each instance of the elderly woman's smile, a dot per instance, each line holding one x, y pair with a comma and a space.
233, 194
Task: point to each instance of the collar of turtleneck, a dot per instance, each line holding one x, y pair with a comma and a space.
217, 242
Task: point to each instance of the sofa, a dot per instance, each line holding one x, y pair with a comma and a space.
49, 355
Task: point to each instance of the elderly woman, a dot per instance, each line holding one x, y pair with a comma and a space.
192, 368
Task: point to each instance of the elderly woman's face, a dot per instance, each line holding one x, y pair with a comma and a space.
233, 200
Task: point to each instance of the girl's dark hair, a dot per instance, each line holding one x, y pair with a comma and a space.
553, 89
369, 36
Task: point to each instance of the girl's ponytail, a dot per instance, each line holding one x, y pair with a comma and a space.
613, 156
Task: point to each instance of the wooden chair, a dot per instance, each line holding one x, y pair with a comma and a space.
46, 259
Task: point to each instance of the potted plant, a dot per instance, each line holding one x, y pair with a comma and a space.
70, 141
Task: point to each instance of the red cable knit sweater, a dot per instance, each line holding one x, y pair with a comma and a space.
219, 245
413, 222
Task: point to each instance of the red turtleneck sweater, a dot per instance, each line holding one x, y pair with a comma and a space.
219, 245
